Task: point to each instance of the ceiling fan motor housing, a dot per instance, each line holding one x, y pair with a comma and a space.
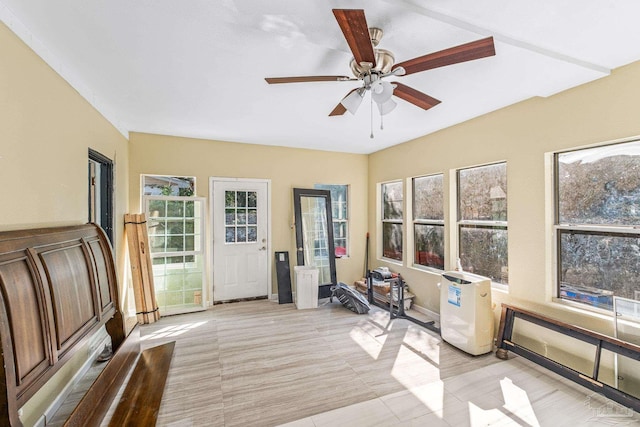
384, 62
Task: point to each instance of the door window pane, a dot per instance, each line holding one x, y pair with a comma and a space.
252, 216
230, 235
241, 199
242, 213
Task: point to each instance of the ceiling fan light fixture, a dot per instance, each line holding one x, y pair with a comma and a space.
353, 100
387, 107
381, 91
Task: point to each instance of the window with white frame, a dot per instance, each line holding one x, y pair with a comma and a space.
392, 219
482, 221
340, 216
597, 193
175, 223
176, 244
428, 221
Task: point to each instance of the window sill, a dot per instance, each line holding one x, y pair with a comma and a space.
500, 287
582, 309
426, 269
391, 261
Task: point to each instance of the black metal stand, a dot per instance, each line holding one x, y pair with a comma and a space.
398, 313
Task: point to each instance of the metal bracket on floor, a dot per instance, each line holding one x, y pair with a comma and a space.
399, 312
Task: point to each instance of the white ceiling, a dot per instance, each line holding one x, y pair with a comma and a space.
196, 68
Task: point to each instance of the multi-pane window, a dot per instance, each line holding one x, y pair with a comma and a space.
482, 221
175, 221
428, 221
241, 216
392, 217
598, 223
176, 245
340, 217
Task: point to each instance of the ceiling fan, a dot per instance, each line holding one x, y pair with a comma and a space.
372, 65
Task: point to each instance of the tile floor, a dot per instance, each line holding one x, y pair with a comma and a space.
262, 364
510, 393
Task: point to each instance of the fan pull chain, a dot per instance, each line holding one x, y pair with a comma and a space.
371, 136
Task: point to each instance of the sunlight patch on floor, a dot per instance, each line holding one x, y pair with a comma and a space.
411, 370
479, 417
172, 331
370, 340
423, 342
517, 402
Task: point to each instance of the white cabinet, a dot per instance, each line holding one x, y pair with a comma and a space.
306, 279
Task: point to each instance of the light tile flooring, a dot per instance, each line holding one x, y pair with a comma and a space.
262, 364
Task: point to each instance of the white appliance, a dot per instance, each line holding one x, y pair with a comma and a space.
466, 315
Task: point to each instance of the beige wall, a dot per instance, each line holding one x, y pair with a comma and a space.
46, 129
604, 110
287, 168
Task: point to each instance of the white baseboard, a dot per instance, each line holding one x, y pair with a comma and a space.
426, 312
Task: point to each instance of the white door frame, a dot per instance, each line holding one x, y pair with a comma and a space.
212, 181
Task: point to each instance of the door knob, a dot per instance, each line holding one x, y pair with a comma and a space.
264, 248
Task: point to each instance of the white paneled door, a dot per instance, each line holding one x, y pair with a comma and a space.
240, 238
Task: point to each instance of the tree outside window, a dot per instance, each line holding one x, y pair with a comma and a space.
428, 221
597, 223
482, 221
392, 218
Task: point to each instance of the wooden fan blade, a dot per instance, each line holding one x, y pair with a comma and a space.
413, 96
465, 52
341, 109
303, 79
338, 111
354, 27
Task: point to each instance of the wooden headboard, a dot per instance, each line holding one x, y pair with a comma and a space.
57, 287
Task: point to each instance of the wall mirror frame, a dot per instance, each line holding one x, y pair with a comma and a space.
314, 235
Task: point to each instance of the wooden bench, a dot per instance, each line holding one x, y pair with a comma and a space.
58, 287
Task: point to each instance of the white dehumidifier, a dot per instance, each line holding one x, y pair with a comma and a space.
466, 316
